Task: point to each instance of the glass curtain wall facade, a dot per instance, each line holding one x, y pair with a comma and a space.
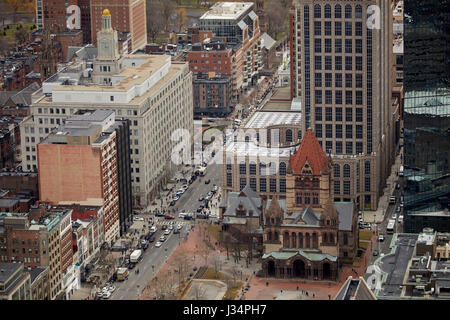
426, 115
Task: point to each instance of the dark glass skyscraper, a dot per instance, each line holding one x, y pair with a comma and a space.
427, 115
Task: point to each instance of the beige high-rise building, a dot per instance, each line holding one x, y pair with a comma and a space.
341, 70
149, 90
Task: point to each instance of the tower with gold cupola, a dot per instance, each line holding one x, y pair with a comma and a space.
108, 61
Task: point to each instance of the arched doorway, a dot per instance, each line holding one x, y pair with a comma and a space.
271, 268
326, 271
299, 269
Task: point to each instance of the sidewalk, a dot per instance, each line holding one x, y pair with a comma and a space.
378, 215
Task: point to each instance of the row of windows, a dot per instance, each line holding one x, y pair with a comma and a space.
338, 97
339, 147
337, 28
318, 113
262, 184
346, 186
262, 168
337, 11
328, 65
338, 131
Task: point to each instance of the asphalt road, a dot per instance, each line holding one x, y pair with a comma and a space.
154, 258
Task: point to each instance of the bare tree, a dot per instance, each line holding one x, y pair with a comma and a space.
155, 22
21, 36
167, 8
217, 264
277, 17
181, 19
182, 265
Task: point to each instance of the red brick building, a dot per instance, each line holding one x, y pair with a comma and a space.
126, 16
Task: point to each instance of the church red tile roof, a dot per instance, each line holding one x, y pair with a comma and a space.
310, 150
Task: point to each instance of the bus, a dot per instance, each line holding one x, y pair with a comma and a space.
390, 226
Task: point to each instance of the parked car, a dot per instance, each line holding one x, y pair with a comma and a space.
398, 209
106, 295
131, 266
394, 216
138, 219
375, 253
181, 214
158, 244
164, 227
400, 218
381, 237
167, 232
172, 203
153, 229
162, 238
168, 216
207, 181
170, 227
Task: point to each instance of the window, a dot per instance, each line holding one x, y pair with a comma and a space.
318, 97
317, 11
358, 114
262, 185
328, 96
317, 45
327, 11
338, 63
348, 63
338, 114
358, 11
328, 80
338, 28
273, 185
348, 97
288, 135
349, 147
338, 80
299, 135
348, 29
358, 63
318, 130
337, 170
253, 168
348, 11
253, 184
359, 148
346, 171
318, 62
282, 169
111, 98
242, 183
348, 131
337, 11
328, 114
359, 132
337, 187
359, 98
329, 131
358, 80
328, 63
318, 113
348, 46
272, 169
317, 28
242, 168
338, 97
318, 79
348, 80
338, 147
327, 45
367, 184
282, 185
367, 167
262, 169
298, 198
328, 28
339, 131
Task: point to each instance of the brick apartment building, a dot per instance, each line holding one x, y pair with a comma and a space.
78, 164
212, 94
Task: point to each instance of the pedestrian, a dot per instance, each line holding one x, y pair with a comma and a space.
307, 293
267, 283
329, 297
314, 295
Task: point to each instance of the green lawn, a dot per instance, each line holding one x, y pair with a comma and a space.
363, 244
212, 274
10, 33
232, 292
214, 230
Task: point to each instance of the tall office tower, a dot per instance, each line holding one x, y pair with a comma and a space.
150, 91
427, 115
78, 164
341, 70
127, 16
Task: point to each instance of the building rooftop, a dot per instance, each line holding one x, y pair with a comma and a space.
35, 272
264, 119
310, 151
355, 289
5, 203
227, 10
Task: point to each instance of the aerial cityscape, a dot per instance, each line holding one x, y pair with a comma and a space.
224, 150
